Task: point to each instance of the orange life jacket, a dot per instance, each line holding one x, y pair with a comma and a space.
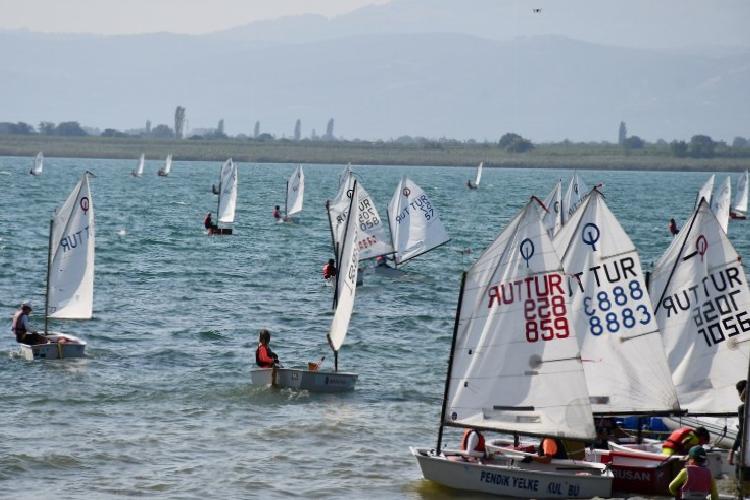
698, 480
465, 441
677, 440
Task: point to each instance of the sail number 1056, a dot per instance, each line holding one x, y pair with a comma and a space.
546, 318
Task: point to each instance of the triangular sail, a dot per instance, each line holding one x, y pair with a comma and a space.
38, 166
346, 277
345, 174
701, 303
295, 192
705, 191
71, 273
139, 169
610, 311
552, 217
516, 365
338, 209
227, 192
721, 204
167, 167
573, 196
479, 174
416, 227
740, 199
374, 239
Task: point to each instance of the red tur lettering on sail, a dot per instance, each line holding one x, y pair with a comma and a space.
543, 297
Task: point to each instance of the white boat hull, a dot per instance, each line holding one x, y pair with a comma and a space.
716, 458
72, 348
512, 478
313, 381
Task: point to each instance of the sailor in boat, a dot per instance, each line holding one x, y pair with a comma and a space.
470, 184
382, 261
673, 229
681, 440
329, 270
608, 430
277, 212
21, 328
695, 480
557, 448
472, 442
264, 356
208, 223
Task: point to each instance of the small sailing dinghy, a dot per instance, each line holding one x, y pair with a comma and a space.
721, 204
138, 172
295, 193
415, 224
475, 184
552, 216
38, 166
70, 274
739, 208
515, 367
706, 191
227, 202
316, 380
573, 196
166, 168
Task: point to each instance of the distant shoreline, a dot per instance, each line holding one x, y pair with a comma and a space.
553, 156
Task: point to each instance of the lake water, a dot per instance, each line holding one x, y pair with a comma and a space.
163, 406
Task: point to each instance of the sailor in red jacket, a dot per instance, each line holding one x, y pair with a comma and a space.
329, 270
681, 440
264, 356
473, 442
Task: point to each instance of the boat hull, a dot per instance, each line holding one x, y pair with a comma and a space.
72, 348
715, 457
640, 473
220, 231
313, 381
737, 215
511, 478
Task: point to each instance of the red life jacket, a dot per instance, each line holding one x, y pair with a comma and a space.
207, 223
676, 440
329, 271
698, 480
465, 441
262, 357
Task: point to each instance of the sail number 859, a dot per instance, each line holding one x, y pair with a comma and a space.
546, 318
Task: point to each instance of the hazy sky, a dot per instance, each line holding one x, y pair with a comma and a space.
146, 16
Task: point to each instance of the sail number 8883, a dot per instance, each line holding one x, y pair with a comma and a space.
546, 318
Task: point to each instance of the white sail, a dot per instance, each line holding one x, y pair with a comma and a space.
38, 164
721, 204
338, 209
139, 169
374, 239
479, 174
416, 227
705, 191
610, 311
227, 192
345, 174
167, 167
573, 196
740, 199
552, 217
71, 273
346, 277
295, 192
702, 304
516, 365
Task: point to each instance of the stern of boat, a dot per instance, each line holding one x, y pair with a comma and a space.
63, 346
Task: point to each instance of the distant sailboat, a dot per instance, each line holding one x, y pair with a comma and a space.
573, 196
38, 166
166, 168
739, 208
138, 172
475, 184
295, 193
721, 204
415, 224
552, 216
227, 202
70, 273
315, 380
705, 191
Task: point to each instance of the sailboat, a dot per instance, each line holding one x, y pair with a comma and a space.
138, 172
573, 196
227, 202
475, 184
706, 191
552, 216
515, 367
70, 273
739, 208
166, 168
721, 204
38, 166
295, 193
414, 221
315, 380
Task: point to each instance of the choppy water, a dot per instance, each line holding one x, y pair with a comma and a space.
163, 406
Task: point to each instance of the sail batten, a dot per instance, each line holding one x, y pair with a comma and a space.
71, 277
228, 178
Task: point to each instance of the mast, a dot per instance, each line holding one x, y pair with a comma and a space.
49, 265
450, 364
